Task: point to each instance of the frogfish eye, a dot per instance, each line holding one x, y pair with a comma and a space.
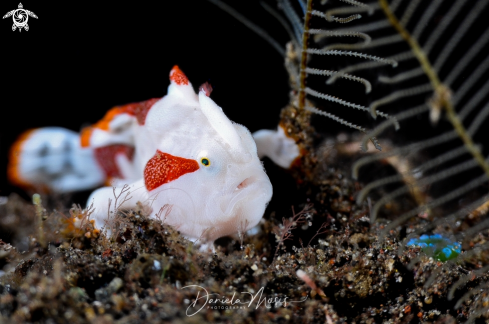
205, 162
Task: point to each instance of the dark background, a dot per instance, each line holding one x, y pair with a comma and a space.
79, 59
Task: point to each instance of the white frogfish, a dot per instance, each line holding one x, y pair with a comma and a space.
179, 153
190, 156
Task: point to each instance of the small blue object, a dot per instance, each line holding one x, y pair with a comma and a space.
442, 248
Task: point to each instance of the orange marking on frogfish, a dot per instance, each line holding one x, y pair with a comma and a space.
106, 158
177, 76
103, 124
109, 116
85, 135
163, 168
13, 173
140, 109
137, 109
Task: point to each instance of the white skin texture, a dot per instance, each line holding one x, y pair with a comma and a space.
226, 197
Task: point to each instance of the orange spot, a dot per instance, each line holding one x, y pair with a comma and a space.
407, 309
13, 173
106, 155
71, 229
140, 109
163, 168
177, 76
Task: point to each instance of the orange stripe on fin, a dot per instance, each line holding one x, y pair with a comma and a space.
109, 116
163, 168
177, 76
13, 173
85, 135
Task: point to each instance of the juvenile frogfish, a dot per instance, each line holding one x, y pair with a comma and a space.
180, 151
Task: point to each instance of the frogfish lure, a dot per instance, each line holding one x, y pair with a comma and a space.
179, 150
